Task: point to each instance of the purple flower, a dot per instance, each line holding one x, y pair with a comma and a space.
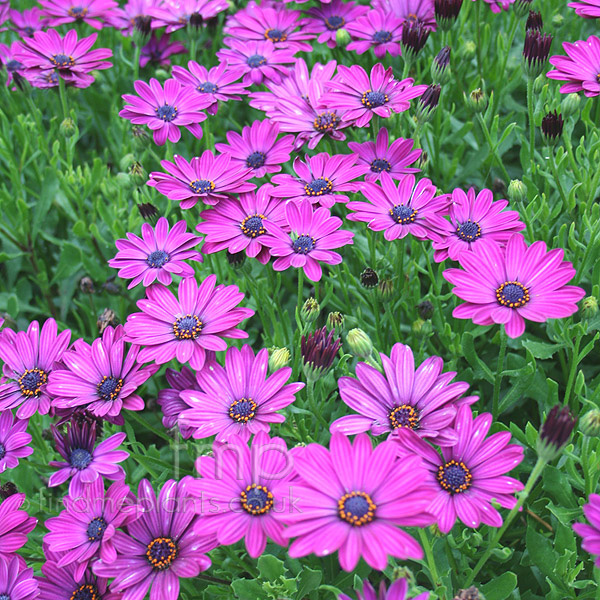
238, 399
86, 462
208, 178
588, 9
314, 234
362, 96
475, 220
16, 524
17, 583
379, 157
238, 225
177, 14
579, 68
14, 69
258, 148
59, 12
157, 51
29, 358
13, 441
320, 178
326, 19
423, 400
160, 547
240, 497
469, 474
590, 533
133, 15
170, 400
507, 287
27, 22
379, 30
345, 502
218, 83
396, 591
186, 327
497, 6
410, 10
164, 111
158, 254
402, 210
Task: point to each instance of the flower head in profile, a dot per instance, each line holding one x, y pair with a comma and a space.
590, 532
177, 14
158, 50
588, 9
378, 30
319, 350
13, 441
170, 401
579, 68
16, 524
17, 583
134, 15
91, 12
325, 20
397, 591
15, 70
421, 11
27, 22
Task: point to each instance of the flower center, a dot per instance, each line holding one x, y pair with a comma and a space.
318, 187
243, 410
256, 160
372, 99
202, 186
78, 12
87, 591
187, 328
62, 60
469, 231
12, 66
275, 35
161, 553
4, 597
109, 388
252, 226
207, 87
304, 244
257, 499
403, 214
382, 37
51, 77
256, 60
326, 121
80, 458
31, 382
356, 508
381, 164
166, 113
334, 22
157, 259
404, 416
96, 529
28, 31
512, 294
2, 455
454, 477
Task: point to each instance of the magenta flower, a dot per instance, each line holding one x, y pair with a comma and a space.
29, 358
17, 583
157, 51
164, 111
424, 399
92, 12
14, 69
218, 83
326, 19
345, 502
314, 234
588, 9
396, 591
402, 210
258, 148
159, 547
134, 14
590, 533
469, 474
579, 68
379, 157
176, 15
320, 178
507, 287
377, 29
13, 441
475, 220
157, 255
170, 400
238, 225
497, 6
410, 10
27, 22
206, 178
16, 524
186, 327
238, 399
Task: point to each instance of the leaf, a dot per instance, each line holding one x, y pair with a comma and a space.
541, 552
270, 567
541, 350
500, 587
308, 580
248, 589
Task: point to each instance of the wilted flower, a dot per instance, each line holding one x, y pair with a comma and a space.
369, 278
425, 309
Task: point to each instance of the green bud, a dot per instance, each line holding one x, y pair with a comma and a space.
517, 191
386, 288
590, 423
435, 530
477, 100
161, 74
360, 343
278, 358
468, 49
589, 307
570, 104
138, 173
421, 327
310, 310
335, 320
557, 20
342, 38
403, 573
140, 136
68, 127
126, 162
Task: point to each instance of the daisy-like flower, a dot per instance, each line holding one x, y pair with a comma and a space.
29, 358
410, 10
507, 287
314, 235
260, 61
176, 14
379, 157
14, 69
135, 14
401, 210
16, 524
164, 110
13, 441
588, 9
27, 22
591, 533
469, 474
238, 225
423, 400
475, 220
397, 591
17, 583
86, 462
218, 83
320, 179
207, 178
159, 547
377, 29
102, 377
238, 498
170, 400
258, 147
92, 12
326, 19
363, 96
238, 399
157, 51
580, 68
345, 502
186, 327
497, 6
157, 255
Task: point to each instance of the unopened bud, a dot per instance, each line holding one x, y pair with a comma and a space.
477, 100
369, 278
425, 309
278, 358
517, 191
589, 307
570, 104
360, 343
310, 310
67, 127
386, 288
335, 320
342, 38
555, 432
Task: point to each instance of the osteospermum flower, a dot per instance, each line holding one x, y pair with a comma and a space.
345, 502
27, 22
17, 583
363, 96
377, 29
580, 68
170, 401
588, 9
590, 532
507, 287
410, 10
159, 547
423, 400
475, 220
16, 524
13, 441
14, 69
469, 474
238, 225
157, 51
157, 255
314, 235
207, 178
135, 14
92, 12
401, 210
164, 110
326, 19
379, 157
175, 14
397, 591
238, 399
186, 327
29, 358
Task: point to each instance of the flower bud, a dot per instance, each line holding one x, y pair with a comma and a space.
468, 49
124, 181
107, 318
278, 358
310, 310
342, 38
590, 423
589, 307
335, 320
557, 21
148, 211
446, 12
440, 67
8, 489
517, 191
425, 309
534, 21
138, 173
318, 350
403, 573
68, 127
142, 28
555, 432
126, 162
428, 102
140, 137
369, 278
385, 288
414, 37
360, 343
535, 52
522, 7
477, 100
552, 127
570, 104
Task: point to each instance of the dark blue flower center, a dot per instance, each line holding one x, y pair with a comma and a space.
356, 508
207, 88
109, 388
318, 187
304, 244
256, 60
469, 231
404, 416
4, 597
381, 164
78, 12
13, 65
382, 37
202, 186
52, 78
28, 31
157, 259
256, 160
96, 529
512, 294
275, 35
31, 382
257, 499
87, 591
334, 22
187, 328
161, 553
454, 477
252, 226
403, 214
243, 410
80, 458
2, 453
166, 113
326, 121
62, 60
372, 99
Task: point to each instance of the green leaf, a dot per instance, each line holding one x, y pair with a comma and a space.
541, 350
308, 580
248, 589
500, 587
270, 567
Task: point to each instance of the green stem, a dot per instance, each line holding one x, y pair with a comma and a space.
63, 96
531, 129
559, 186
136, 62
493, 147
300, 292
572, 370
511, 37
429, 557
478, 19
499, 372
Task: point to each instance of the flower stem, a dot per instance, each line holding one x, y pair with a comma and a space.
136, 62
559, 186
62, 92
572, 370
429, 557
493, 147
499, 372
478, 19
531, 129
